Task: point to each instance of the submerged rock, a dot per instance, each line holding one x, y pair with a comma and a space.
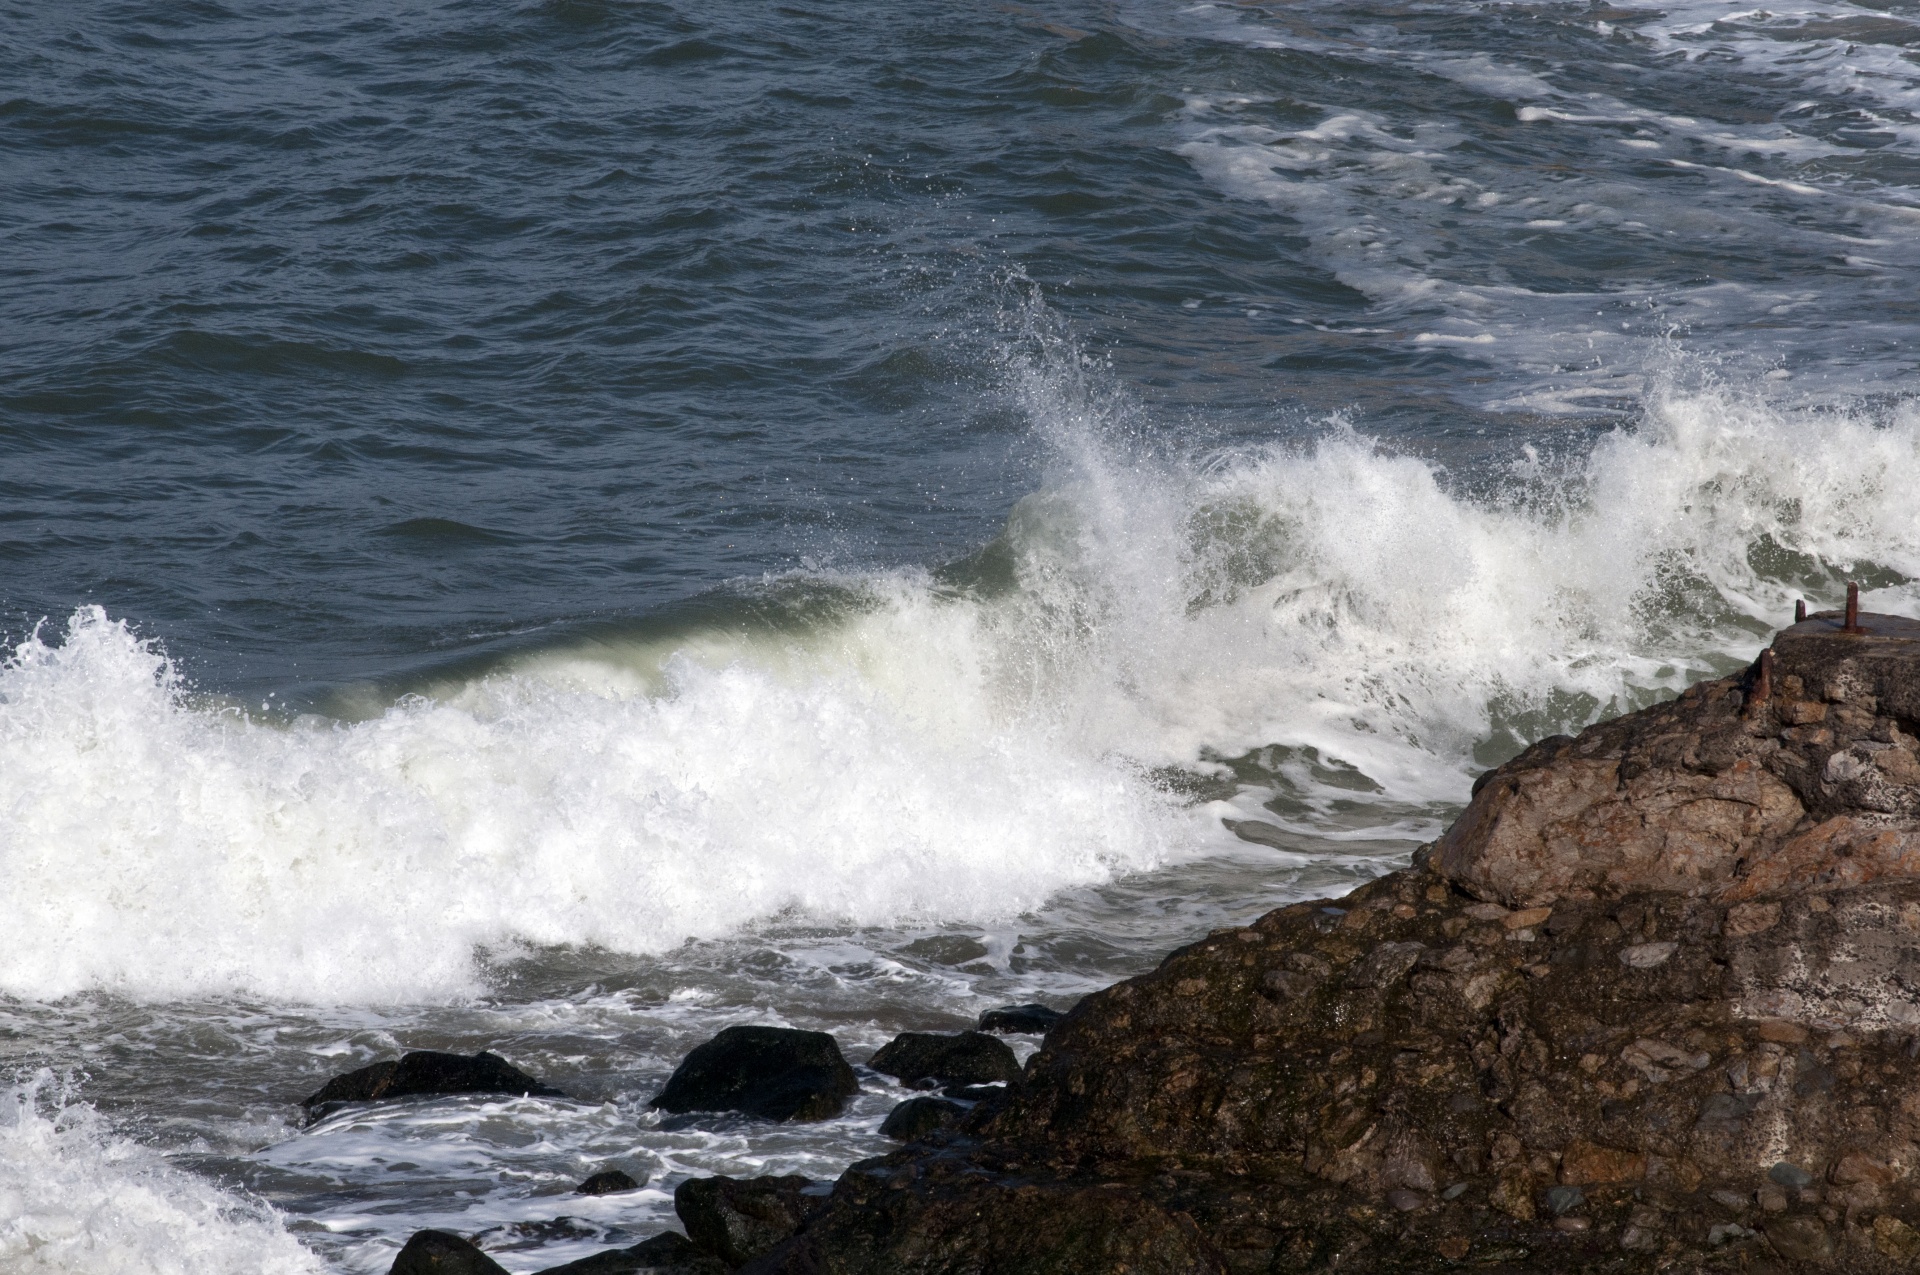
738, 1219
1652, 1003
608, 1182
963, 1058
669, 1253
1262, 833
775, 1073
918, 1117
426, 1072
442, 1253
1020, 1018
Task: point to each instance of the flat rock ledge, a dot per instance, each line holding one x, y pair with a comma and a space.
1652, 1004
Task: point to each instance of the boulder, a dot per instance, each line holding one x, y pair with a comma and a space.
1744, 786
918, 1117
423, 1073
441, 1253
608, 1182
738, 1219
669, 1253
1651, 1004
963, 1058
775, 1073
1035, 1019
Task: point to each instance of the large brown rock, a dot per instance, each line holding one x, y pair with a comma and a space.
1741, 787
1652, 1004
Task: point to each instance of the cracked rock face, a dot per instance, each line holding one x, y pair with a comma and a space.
1653, 1003
1740, 788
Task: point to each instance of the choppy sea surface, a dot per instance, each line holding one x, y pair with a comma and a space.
562, 527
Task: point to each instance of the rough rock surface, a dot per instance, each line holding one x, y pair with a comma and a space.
425, 1072
669, 1253
1652, 1004
1739, 788
963, 1058
738, 1219
441, 1253
918, 1117
608, 1182
775, 1073
1019, 1018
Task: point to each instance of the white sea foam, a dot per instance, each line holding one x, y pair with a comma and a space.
932, 754
76, 1199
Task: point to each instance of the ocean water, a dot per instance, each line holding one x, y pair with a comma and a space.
563, 527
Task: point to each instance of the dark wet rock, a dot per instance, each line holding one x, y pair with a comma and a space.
669, 1253
738, 1219
426, 1072
608, 1182
918, 1117
1653, 1003
441, 1253
940, 1218
775, 1073
963, 1058
1033, 1019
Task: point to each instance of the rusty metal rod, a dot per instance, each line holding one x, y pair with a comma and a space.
1853, 610
1800, 611
1763, 680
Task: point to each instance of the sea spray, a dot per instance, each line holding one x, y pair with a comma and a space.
78, 1199
1343, 633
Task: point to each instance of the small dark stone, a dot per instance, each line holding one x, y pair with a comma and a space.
918, 1117
737, 1219
1565, 1199
424, 1072
1789, 1175
440, 1253
775, 1073
608, 1182
1020, 1018
669, 1253
965, 1058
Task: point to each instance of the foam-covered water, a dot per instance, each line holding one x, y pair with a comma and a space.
78, 1199
920, 751
561, 530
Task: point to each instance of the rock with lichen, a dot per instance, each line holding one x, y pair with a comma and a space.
1652, 1003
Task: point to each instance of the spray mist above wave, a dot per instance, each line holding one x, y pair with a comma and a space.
76, 1199
1329, 625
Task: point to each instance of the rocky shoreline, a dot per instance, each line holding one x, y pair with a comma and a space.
1652, 1003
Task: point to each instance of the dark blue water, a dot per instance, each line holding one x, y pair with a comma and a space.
332, 336
561, 527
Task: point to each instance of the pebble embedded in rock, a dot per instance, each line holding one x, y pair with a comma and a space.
776, 1073
1020, 1018
423, 1073
963, 1058
1789, 1175
442, 1253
